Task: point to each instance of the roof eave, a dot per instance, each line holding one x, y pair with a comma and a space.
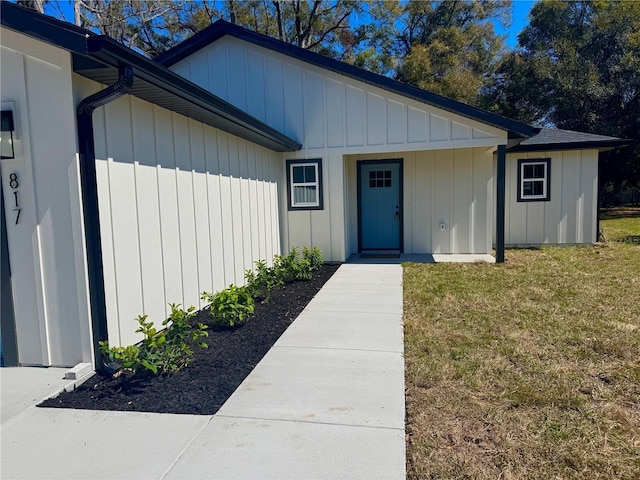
601, 145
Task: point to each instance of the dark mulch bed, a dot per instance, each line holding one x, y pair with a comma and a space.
214, 373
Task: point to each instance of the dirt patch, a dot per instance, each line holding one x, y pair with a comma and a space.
214, 374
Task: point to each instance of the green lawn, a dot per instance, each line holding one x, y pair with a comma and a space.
529, 369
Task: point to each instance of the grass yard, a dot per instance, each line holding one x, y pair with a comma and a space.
530, 369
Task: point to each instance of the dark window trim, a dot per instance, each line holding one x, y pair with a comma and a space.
318, 162
547, 179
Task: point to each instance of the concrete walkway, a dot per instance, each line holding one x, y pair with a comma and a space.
327, 401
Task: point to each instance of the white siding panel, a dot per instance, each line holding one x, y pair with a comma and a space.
124, 214
418, 126
335, 118
274, 85
480, 229
462, 200
186, 209
396, 123
438, 128
313, 110
570, 196
198, 72
423, 202
589, 187
146, 176
168, 208
443, 198
216, 65
460, 131
201, 207
237, 76
376, 119
293, 103
355, 116
256, 105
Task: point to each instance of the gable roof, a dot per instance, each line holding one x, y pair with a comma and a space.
97, 57
556, 139
221, 28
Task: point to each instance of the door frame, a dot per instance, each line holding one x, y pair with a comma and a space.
360, 164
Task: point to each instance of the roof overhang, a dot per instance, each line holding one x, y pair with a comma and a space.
97, 57
221, 28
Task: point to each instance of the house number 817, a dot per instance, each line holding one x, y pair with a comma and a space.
14, 184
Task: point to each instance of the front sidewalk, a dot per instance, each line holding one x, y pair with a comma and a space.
327, 401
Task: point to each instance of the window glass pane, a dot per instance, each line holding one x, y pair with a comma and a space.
539, 171
379, 174
310, 174
380, 182
372, 182
372, 174
387, 174
527, 188
387, 182
306, 194
298, 174
538, 187
527, 171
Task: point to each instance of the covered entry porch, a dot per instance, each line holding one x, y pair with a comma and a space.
441, 204
427, 202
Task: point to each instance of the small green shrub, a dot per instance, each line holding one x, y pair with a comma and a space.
230, 306
261, 282
314, 257
296, 266
164, 351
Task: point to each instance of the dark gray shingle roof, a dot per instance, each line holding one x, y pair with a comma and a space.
557, 139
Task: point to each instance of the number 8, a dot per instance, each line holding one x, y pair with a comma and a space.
13, 181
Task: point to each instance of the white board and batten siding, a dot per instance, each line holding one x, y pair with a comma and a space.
46, 246
450, 187
184, 208
571, 214
332, 115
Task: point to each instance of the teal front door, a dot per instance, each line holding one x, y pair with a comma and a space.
380, 205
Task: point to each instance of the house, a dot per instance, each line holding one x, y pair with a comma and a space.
129, 183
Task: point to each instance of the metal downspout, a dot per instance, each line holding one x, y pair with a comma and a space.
500, 203
86, 149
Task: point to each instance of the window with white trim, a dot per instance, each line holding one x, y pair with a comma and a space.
304, 184
534, 180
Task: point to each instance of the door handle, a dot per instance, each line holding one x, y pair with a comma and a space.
397, 212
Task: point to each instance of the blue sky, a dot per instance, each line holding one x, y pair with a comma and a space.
521, 9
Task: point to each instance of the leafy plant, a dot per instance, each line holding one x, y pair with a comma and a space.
166, 350
261, 282
314, 257
295, 266
230, 306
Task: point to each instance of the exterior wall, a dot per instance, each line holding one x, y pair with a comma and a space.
440, 186
322, 109
46, 247
570, 216
331, 115
184, 208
